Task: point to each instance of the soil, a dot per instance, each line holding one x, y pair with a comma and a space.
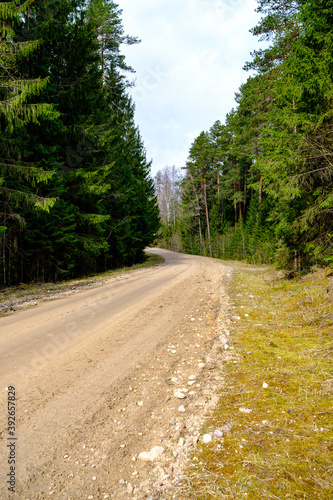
95, 375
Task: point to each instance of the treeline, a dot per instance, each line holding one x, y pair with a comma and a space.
76, 195
259, 187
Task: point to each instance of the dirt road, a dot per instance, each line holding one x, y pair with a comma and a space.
95, 374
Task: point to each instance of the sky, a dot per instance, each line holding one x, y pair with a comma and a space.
188, 67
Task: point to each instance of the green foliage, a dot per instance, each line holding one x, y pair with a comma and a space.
259, 187
73, 153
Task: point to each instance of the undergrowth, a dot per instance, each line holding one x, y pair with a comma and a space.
39, 290
281, 441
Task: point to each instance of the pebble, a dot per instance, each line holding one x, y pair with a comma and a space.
245, 410
201, 365
223, 340
94, 478
140, 403
179, 395
181, 409
207, 438
90, 497
218, 433
192, 377
181, 442
264, 385
149, 456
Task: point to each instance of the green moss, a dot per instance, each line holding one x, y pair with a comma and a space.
283, 448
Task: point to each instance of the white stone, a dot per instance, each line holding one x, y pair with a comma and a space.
140, 403
207, 438
145, 456
156, 452
181, 442
218, 433
150, 456
264, 385
181, 409
179, 395
192, 377
201, 365
245, 410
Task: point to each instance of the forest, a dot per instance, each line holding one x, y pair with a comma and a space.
76, 195
258, 187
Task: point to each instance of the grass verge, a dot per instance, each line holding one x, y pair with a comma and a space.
14, 296
277, 396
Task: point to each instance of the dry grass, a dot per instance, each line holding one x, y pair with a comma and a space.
283, 448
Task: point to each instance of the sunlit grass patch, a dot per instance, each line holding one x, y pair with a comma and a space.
277, 397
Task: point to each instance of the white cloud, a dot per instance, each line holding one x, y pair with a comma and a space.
188, 68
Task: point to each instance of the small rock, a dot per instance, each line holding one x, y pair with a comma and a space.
145, 456
140, 403
192, 377
264, 385
226, 428
181, 409
201, 365
181, 442
90, 497
218, 433
94, 478
179, 395
223, 340
150, 456
207, 438
245, 410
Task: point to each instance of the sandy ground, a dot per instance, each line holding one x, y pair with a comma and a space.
95, 375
